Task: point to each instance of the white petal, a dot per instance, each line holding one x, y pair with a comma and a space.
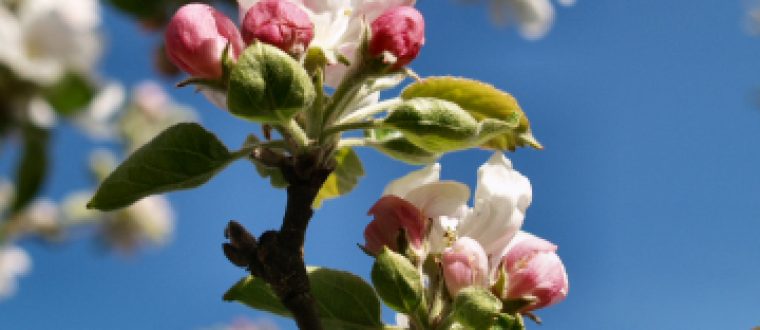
401, 186
501, 199
442, 198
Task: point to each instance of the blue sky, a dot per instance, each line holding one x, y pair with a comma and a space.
649, 182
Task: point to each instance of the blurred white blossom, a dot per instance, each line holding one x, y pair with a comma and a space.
534, 18
44, 39
14, 263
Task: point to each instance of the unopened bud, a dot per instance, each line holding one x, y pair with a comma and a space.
535, 271
464, 264
280, 23
393, 214
196, 38
399, 31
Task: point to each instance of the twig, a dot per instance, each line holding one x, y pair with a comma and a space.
277, 256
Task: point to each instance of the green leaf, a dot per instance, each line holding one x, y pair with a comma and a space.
344, 300
476, 308
32, 167
394, 144
274, 174
434, 125
181, 157
267, 85
397, 281
70, 95
348, 170
257, 294
482, 101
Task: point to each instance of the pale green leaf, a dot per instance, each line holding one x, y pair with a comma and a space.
348, 170
482, 101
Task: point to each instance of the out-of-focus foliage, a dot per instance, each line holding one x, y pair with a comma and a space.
48, 59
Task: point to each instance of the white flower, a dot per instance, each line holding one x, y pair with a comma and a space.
501, 200
98, 119
338, 27
47, 38
14, 263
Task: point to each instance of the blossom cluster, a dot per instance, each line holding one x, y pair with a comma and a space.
198, 34
479, 246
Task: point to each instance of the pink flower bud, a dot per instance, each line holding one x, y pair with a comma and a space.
399, 31
535, 271
280, 23
391, 215
464, 264
196, 38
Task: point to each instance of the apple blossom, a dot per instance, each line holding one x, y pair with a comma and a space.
196, 38
338, 28
501, 200
465, 264
280, 23
535, 271
393, 214
400, 32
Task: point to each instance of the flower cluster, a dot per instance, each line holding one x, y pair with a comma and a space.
480, 246
198, 34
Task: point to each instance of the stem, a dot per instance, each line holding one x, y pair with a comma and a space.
294, 131
348, 126
277, 256
352, 142
370, 110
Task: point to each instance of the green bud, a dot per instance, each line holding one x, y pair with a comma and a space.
476, 308
267, 85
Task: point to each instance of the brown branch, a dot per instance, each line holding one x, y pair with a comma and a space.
277, 256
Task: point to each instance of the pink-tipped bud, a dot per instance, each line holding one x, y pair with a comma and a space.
393, 214
399, 31
196, 37
535, 271
464, 264
280, 23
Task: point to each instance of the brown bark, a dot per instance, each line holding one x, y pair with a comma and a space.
277, 256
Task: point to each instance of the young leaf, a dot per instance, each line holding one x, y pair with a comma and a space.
482, 101
344, 300
476, 308
434, 125
267, 85
395, 145
397, 281
181, 157
347, 172
32, 167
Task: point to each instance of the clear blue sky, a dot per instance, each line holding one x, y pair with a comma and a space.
649, 182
